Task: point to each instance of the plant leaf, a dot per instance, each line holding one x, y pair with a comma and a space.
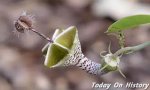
128, 22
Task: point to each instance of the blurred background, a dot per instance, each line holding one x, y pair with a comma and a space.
21, 60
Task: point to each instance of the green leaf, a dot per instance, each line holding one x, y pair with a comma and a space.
128, 22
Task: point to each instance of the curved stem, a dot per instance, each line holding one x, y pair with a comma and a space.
131, 49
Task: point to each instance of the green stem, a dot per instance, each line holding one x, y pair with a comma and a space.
131, 49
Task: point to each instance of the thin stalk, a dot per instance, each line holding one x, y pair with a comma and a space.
42, 35
131, 49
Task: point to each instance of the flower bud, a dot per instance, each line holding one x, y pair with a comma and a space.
110, 63
24, 22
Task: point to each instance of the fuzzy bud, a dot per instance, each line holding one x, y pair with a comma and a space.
24, 22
